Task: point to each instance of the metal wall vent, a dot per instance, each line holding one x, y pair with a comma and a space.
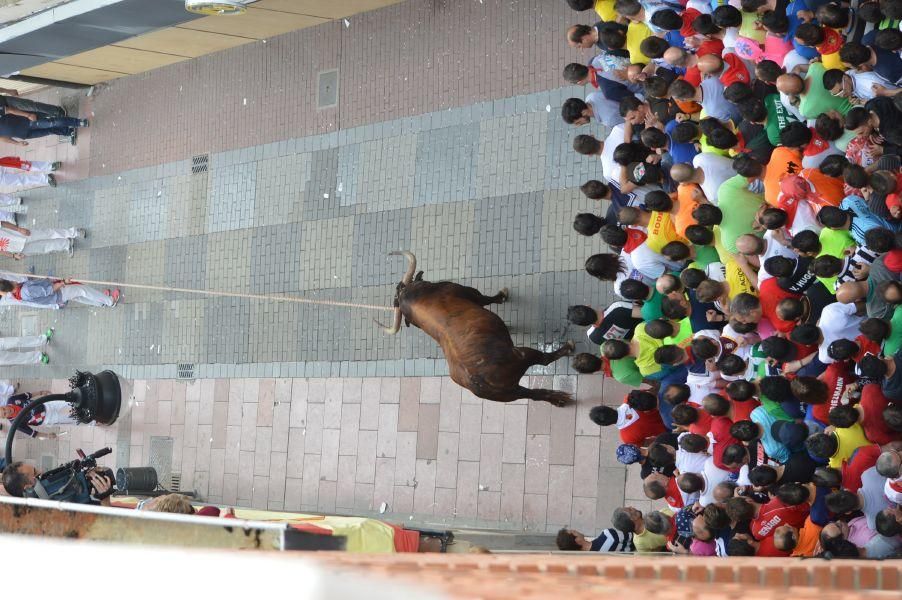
327, 89
175, 482
186, 370
200, 163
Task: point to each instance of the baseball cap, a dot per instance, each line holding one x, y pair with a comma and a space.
748, 49
796, 187
628, 454
789, 433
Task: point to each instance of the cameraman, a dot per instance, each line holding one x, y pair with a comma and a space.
19, 477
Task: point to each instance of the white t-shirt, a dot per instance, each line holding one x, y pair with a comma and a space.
838, 322
606, 111
650, 263
631, 273
774, 248
864, 80
713, 477
690, 462
12, 241
805, 218
717, 169
611, 169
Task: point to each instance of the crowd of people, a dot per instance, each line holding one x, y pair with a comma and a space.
751, 159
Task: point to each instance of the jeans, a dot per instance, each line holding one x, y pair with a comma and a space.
52, 126
29, 105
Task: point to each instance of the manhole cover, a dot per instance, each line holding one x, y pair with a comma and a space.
327, 89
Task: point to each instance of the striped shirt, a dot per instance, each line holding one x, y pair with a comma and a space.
611, 540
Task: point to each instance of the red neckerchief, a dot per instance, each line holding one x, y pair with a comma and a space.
606, 366
833, 41
634, 239
17, 292
593, 77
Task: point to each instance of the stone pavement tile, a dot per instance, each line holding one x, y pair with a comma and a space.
490, 461
363, 496
207, 398
445, 500
403, 499
390, 390
204, 435
446, 464
427, 432
538, 418
405, 461
563, 426
470, 431
296, 444
535, 508
236, 399
611, 481
561, 481
347, 479
350, 427
384, 488
266, 399
584, 516
633, 489
245, 476
449, 412
607, 448
217, 471
614, 392
248, 426
424, 495
277, 470
585, 466
387, 435
281, 419
430, 390
492, 417
537, 449
314, 431
293, 490
409, 404
369, 404
589, 393
232, 448
150, 402
310, 486
329, 463
262, 451
202, 483
260, 492
230, 489
220, 419
467, 489
366, 456
189, 456
513, 478
332, 412
326, 497
352, 390
298, 414
316, 391
514, 445
488, 506
179, 391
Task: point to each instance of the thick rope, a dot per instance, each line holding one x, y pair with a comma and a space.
163, 288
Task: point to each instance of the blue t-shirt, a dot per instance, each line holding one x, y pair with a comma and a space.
680, 152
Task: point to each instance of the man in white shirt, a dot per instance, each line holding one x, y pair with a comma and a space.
838, 322
759, 249
18, 242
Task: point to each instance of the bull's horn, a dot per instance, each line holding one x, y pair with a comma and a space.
411, 259
396, 325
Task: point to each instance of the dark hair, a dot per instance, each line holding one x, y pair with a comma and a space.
684, 414
741, 390
658, 200
715, 517
612, 235
659, 456
699, 235
572, 110
747, 166
854, 54
692, 277
856, 176
753, 110
869, 11
833, 165
668, 354
821, 445
579, 5
880, 239
588, 224
779, 266
656, 521
891, 9
745, 431
727, 16
856, 117
676, 393
768, 70
707, 215
704, 24
843, 416
888, 39
777, 348
842, 349
659, 329
738, 546
806, 334
872, 367
566, 541
612, 39
690, 483
667, 19
734, 454
763, 475
832, 217
578, 32
792, 494
13, 480
885, 286
628, 104
892, 417
839, 548
832, 15
653, 46
828, 127
827, 477
669, 283
809, 390
586, 363
586, 145
709, 290
886, 524
703, 348
731, 365
740, 510
744, 303
575, 73
605, 266
806, 241
832, 78
693, 442
681, 89
722, 138
743, 328
795, 134
614, 349
883, 182
738, 92
716, 405
622, 521
826, 265
874, 329
594, 189
810, 34
676, 251
651, 173
603, 415
633, 289
775, 387
582, 315
685, 132
841, 501
773, 218
630, 152
751, 5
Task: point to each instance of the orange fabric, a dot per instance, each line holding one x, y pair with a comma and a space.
829, 189
687, 203
690, 107
782, 162
406, 540
308, 528
808, 539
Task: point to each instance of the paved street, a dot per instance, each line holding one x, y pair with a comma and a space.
446, 140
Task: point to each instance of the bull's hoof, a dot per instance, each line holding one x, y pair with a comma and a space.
559, 401
568, 348
505, 295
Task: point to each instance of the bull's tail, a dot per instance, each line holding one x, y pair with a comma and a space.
555, 397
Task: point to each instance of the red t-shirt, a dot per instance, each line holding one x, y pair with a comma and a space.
862, 459
766, 548
865, 347
872, 403
837, 377
703, 424
648, 424
770, 294
742, 411
720, 429
714, 46
734, 70
673, 497
688, 17
693, 76
775, 514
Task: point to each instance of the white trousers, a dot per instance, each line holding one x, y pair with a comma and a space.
19, 358
45, 241
40, 166
85, 295
27, 341
20, 179
57, 413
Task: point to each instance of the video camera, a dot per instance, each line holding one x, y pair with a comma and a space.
69, 482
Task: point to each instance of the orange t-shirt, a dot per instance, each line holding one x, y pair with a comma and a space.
783, 161
687, 203
829, 189
809, 536
689, 107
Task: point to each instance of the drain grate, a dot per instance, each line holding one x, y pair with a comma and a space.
200, 164
186, 370
327, 89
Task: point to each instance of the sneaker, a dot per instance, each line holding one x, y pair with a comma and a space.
51, 181
48, 335
84, 123
56, 165
82, 233
73, 137
71, 247
44, 358
115, 295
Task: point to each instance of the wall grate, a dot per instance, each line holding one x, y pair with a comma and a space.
200, 164
175, 482
327, 89
186, 370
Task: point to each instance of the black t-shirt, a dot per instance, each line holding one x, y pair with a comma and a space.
798, 469
14, 126
892, 387
606, 25
756, 141
618, 324
801, 279
818, 298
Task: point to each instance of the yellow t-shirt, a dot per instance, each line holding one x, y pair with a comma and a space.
738, 281
832, 61
605, 10
635, 35
848, 440
661, 231
647, 346
649, 542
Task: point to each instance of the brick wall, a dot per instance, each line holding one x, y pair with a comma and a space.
555, 576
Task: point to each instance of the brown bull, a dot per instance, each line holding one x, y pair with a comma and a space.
477, 344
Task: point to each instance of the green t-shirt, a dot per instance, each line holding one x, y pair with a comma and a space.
894, 341
739, 207
705, 255
647, 346
777, 118
626, 372
651, 308
833, 242
819, 100
748, 28
774, 409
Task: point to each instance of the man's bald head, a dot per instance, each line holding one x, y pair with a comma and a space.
790, 83
676, 56
682, 172
710, 63
851, 291
889, 464
749, 244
